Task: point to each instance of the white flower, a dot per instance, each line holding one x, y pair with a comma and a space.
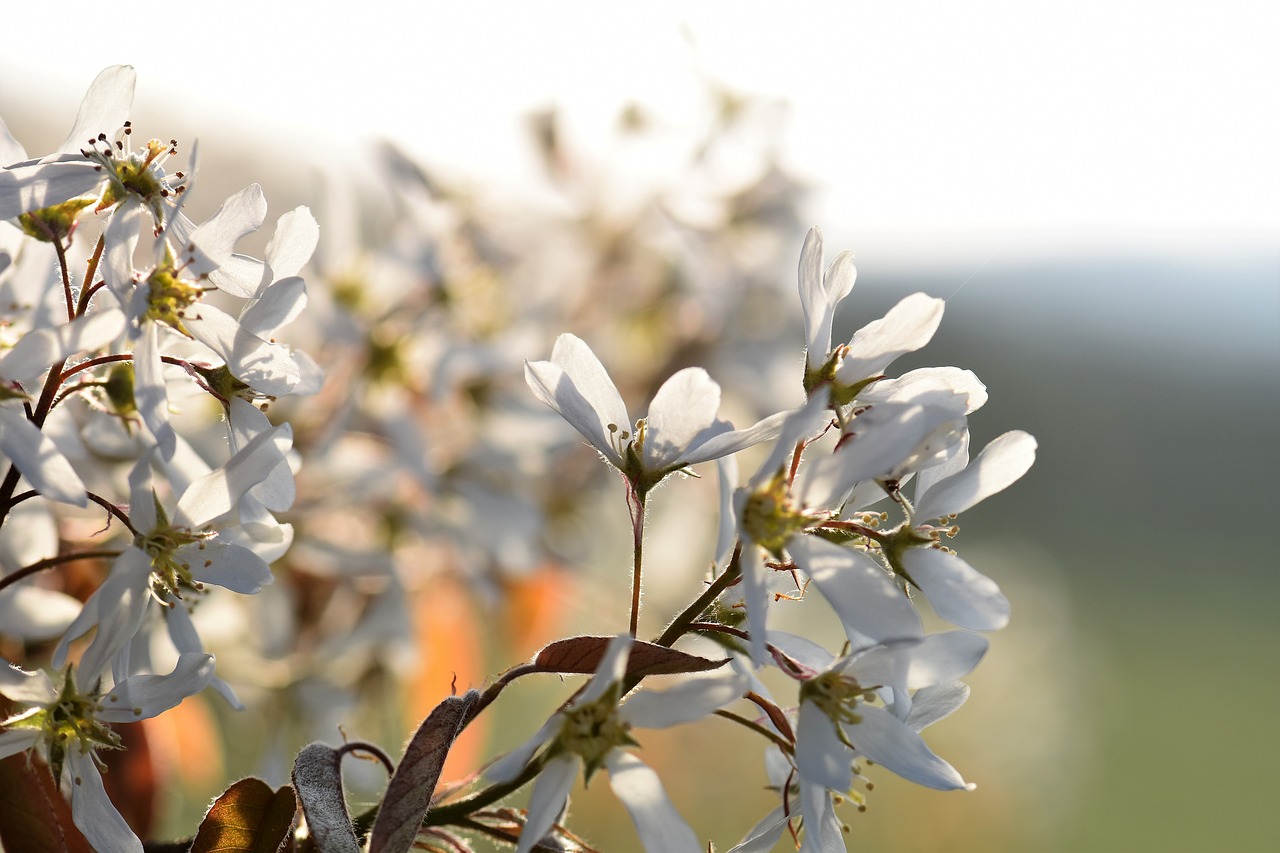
681, 428
591, 732
28, 185
22, 441
819, 296
69, 723
175, 557
958, 592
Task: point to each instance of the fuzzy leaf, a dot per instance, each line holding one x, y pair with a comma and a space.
317, 777
582, 655
409, 792
35, 817
249, 817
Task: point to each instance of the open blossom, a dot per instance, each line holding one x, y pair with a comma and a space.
176, 552
27, 185
70, 722
681, 428
21, 441
592, 732
958, 592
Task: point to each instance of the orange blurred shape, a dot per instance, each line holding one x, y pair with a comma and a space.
533, 611
185, 743
449, 640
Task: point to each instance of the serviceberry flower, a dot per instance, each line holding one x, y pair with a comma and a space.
69, 723
593, 731
680, 430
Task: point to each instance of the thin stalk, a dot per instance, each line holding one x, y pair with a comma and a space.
50, 562
680, 625
636, 502
781, 742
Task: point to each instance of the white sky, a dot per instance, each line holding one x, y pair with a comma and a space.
1056, 125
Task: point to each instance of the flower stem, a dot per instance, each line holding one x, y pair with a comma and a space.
680, 625
50, 562
636, 501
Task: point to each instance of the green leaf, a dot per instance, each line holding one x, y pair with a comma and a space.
409, 792
248, 817
582, 655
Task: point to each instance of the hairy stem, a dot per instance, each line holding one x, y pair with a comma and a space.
680, 625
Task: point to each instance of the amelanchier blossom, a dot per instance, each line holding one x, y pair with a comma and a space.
69, 721
680, 430
593, 731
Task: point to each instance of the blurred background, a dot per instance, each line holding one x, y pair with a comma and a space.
1093, 187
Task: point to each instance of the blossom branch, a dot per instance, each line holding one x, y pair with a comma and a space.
50, 562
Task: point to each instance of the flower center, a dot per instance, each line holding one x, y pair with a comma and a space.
771, 518
592, 730
170, 562
69, 722
836, 695
170, 297
139, 173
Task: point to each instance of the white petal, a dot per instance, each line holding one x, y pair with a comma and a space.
821, 757
731, 441
31, 186
661, 828
295, 238
29, 688
120, 240
998, 466
874, 443
218, 492
14, 741
39, 459
727, 529
755, 591
280, 304
684, 407
886, 740
228, 565
142, 504
868, 602
548, 798
213, 242
688, 701
956, 461
918, 385
936, 658
144, 696
116, 608
822, 828
11, 150
149, 392
92, 810
38, 349
762, 837
509, 766
907, 327
265, 367
589, 409
958, 592
802, 424
105, 107
819, 294
936, 702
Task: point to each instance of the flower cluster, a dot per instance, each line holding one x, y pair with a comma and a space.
94, 366
136, 381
